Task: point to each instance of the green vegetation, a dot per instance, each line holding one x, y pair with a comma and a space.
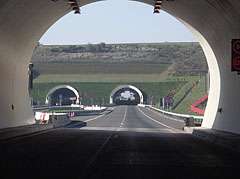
105, 78
197, 93
157, 69
191, 81
185, 58
103, 90
99, 68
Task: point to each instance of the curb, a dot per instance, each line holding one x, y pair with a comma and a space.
23, 130
224, 139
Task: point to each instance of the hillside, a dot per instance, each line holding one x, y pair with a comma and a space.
157, 69
185, 58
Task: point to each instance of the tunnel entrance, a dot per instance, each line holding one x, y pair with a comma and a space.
62, 95
126, 96
203, 18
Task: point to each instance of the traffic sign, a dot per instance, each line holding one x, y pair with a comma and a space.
91, 94
170, 101
80, 93
235, 55
170, 95
73, 98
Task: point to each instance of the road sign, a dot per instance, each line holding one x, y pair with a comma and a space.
170, 101
73, 98
170, 95
80, 93
91, 94
235, 55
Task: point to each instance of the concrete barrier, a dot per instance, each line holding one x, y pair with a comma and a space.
59, 119
225, 139
53, 121
40, 116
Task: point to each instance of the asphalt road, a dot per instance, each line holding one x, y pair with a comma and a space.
128, 142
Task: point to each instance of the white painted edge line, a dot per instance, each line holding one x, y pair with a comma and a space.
175, 130
89, 119
50, 130
165, 116
85, 121
175, 114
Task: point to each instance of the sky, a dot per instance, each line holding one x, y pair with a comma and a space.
116, 21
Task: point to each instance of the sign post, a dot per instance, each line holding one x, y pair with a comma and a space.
235, 61
80, 97
91, 98
163, 101
168, 100
60, 99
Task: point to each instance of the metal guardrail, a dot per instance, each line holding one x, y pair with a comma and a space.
197, 119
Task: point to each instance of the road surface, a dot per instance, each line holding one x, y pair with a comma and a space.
128, 142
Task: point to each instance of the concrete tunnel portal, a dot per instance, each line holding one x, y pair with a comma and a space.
213, 22
126, 95
62, 95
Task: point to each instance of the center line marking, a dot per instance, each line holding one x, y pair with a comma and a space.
124, 118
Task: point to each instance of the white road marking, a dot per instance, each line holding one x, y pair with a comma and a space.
85, 121
155, 130
50, 130
124, 118
157, 121
156, 112
95, 156
89, 119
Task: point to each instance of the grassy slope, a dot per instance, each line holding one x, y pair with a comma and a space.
104, 90
191, 80
149, 69
99, 68
197, 93
157, 85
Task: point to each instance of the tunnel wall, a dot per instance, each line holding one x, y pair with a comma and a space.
22, 23
214, 22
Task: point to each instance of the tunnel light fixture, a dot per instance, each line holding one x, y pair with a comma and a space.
74, 5
75, 8
157, 7
77, 12
72, 1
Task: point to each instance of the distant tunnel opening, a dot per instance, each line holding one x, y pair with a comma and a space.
62, 95
126, 96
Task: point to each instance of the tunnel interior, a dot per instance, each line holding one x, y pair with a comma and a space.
213, 23
126, 96
62, 96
